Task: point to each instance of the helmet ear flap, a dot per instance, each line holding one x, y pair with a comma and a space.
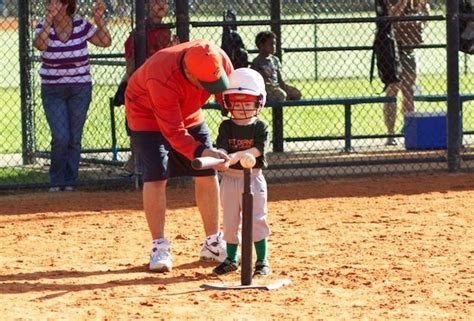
227, 103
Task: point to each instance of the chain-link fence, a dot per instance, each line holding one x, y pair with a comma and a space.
340, 126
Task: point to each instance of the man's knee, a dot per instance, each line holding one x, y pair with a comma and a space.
155, 184
205, 180
275, 94
293, 93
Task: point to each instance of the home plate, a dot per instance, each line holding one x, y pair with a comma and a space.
271, 286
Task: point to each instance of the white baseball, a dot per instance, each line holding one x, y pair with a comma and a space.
248, 161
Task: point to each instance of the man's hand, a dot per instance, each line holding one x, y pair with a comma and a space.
216, 153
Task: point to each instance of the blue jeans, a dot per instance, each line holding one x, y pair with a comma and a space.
66, 107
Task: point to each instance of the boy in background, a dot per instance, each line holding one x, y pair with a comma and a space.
269, 66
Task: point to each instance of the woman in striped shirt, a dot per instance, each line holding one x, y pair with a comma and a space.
66, 83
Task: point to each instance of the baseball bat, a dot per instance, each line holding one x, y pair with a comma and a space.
206, 162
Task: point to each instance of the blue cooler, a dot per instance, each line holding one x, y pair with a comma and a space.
425, 130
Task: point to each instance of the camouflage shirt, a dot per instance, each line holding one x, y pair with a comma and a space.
269, 67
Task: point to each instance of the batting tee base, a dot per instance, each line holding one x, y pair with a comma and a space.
272, 286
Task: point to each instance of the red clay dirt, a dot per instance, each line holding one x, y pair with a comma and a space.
361, 248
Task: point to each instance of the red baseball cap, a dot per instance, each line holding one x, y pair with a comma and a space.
204, 62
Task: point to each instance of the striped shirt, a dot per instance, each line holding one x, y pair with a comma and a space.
67, 62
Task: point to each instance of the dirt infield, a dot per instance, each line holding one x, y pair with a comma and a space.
363, 248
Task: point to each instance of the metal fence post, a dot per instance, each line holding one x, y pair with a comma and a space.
140, 57
27, 121
140, 33
454, 109
315, 13
277, 116
113, 130
275, 16
182, 20
277, 111
347, 127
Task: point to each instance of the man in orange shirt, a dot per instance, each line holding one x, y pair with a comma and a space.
163, 106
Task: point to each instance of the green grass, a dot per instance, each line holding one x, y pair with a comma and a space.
9, 175
10, 121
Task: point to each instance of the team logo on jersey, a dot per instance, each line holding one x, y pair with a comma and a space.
240, 144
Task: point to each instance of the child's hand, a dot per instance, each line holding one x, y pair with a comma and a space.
234, 158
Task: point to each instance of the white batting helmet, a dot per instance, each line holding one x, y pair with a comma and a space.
245, 82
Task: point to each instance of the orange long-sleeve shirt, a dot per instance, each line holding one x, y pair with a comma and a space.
159, 97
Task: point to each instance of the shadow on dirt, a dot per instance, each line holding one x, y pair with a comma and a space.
183, 197
38, 281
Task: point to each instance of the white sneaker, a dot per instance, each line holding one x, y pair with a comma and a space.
160, 257
214, 248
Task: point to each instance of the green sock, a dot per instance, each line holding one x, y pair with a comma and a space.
232, 252
261, 249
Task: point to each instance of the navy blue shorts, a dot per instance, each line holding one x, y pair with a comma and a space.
160, 161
